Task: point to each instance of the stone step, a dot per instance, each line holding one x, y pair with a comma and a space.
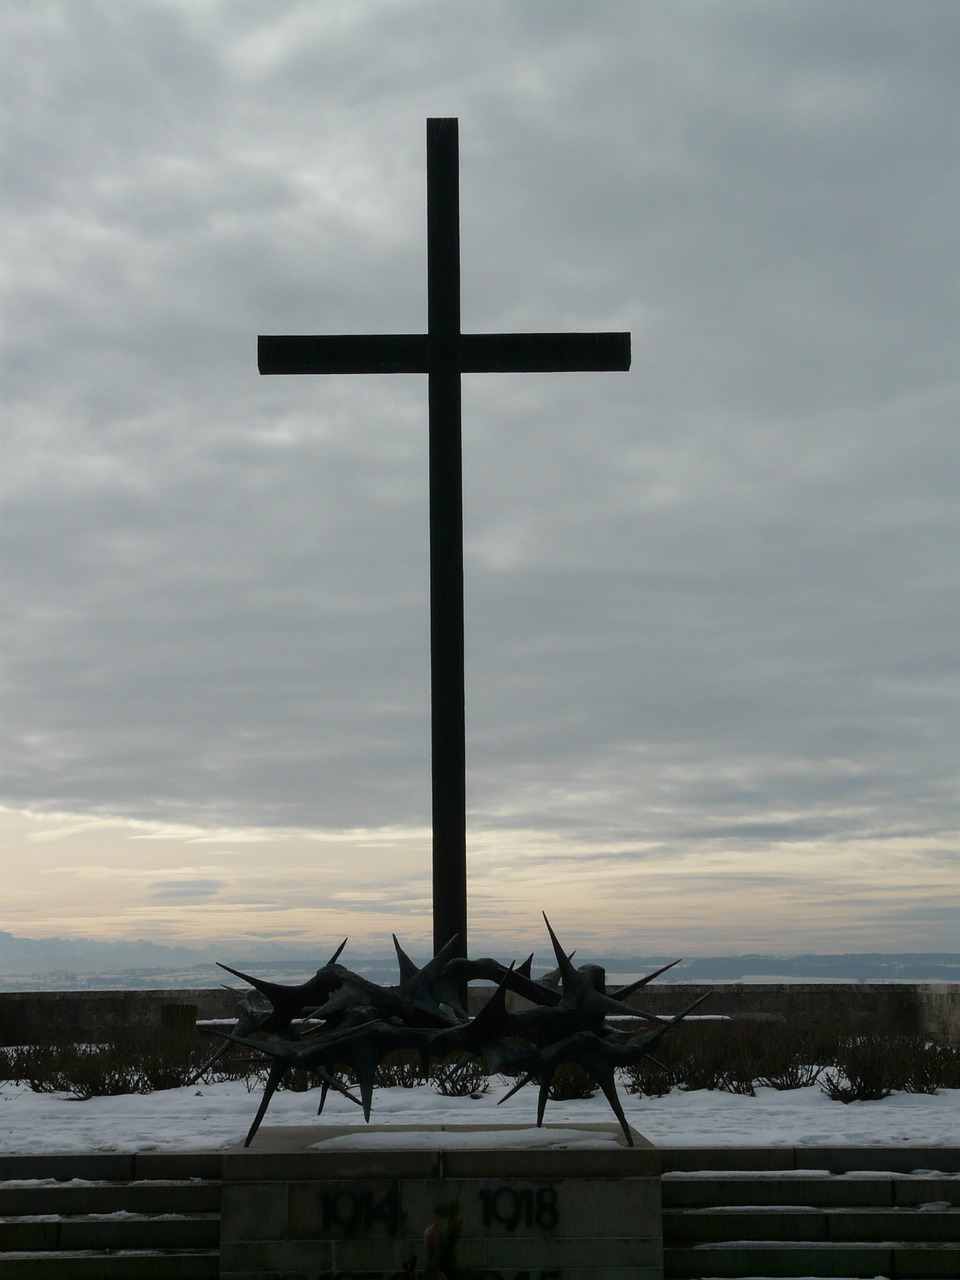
78, 1197
777, 1258
145, 1216
848, 1190
687, 1227
102, 1166
811, 1212
835, 1160
133, 1264
36, 1233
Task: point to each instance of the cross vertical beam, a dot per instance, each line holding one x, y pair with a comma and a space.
444, 353
448, 729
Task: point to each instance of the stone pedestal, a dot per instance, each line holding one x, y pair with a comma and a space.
565, 1202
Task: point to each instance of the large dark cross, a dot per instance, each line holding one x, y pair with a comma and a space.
443, 353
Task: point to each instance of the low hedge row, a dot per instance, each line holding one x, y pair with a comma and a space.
737, 1056
734, 1056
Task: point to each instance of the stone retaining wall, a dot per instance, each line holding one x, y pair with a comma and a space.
32, 1017
37, 1017
930, 1008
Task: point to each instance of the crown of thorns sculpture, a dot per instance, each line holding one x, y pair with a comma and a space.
347, 1021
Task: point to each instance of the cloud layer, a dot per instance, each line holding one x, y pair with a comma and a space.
711, 604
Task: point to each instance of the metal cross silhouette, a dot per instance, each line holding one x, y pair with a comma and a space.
444, 353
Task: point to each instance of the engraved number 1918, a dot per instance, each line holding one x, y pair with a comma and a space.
510, 1207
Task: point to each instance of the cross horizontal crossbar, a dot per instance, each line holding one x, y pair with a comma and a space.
410, 353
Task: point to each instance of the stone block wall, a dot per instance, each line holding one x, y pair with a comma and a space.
301, 1203
33, 1017
38, 1017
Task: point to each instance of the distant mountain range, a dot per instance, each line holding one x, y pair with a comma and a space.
870, 966
46, 964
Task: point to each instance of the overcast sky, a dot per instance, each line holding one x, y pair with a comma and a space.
711, 604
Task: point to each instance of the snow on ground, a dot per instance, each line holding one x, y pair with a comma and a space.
211, 1117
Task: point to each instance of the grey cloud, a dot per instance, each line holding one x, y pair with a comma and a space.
739, 552
186, 890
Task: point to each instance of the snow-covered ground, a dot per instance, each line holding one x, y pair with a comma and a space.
211, 1117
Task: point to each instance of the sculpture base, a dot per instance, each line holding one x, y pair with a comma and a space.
351, 1202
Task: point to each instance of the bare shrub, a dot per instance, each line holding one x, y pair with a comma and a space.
139, 1062
869, 1067
570, 1081
14, 1064
81, 1071
718, 1055
693, 1057
741, 1046
926, 1066
731, 1055
402, 1069
791, 1058
796, 1074
162, 1059
236, 1064
648, 1077
711, 1055
947, 1058
459, 1078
